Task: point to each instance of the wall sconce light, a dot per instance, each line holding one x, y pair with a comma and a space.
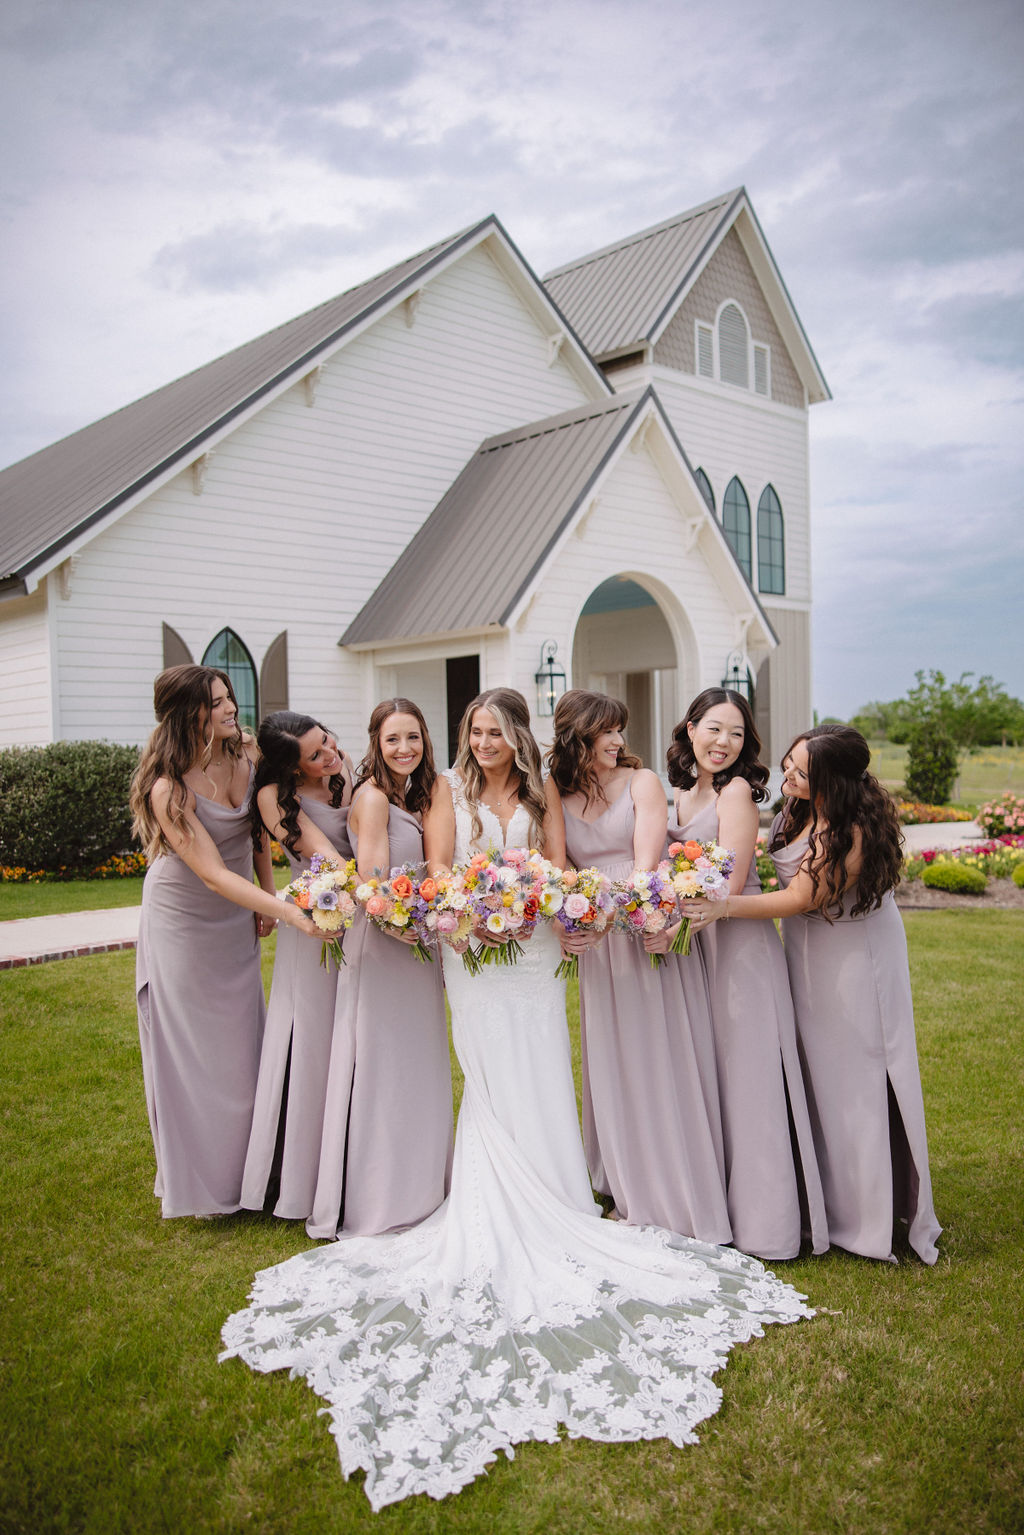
737, 676
550, 680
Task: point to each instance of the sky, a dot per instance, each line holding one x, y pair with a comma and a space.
177, 179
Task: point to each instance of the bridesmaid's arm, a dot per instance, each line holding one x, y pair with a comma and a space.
311, 839
199, 853
439, 828
371, 813
737, 829
798, 897
554, 826
651, 827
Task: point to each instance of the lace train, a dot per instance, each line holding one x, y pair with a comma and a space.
513, 1310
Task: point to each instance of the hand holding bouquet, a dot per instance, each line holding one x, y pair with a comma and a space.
403, 904
324, 890
645, 904
698, 870
587, 906
499, 889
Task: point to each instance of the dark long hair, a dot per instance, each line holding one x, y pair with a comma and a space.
279, 764
580, 717
373, 769
512, 713
181, 696
844, 795
748, 764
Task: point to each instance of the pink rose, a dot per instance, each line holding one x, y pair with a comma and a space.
576, 906
376, 906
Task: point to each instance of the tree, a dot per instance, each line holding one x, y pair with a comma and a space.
970, 713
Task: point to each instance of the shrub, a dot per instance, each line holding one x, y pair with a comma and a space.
1002, 817
931, 764
64, 807
996, 860
957, 878
1018, 876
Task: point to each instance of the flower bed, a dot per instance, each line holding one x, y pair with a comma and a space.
1002, 817
914, 814
996, 859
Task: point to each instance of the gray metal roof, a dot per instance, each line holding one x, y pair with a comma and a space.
481, 546
60, 491
617, 298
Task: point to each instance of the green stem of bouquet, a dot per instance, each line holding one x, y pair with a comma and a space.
681, 942
331, 949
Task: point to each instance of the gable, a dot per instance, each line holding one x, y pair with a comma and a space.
729, 275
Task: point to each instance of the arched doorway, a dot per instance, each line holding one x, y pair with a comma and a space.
624, 646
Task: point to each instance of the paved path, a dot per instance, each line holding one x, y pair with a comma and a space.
32, 940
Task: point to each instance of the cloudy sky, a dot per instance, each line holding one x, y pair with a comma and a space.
177, 178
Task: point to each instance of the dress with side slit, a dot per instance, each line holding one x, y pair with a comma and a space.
850, 981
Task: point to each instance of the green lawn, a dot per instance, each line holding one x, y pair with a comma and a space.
50, 897
898, 1409
983, 775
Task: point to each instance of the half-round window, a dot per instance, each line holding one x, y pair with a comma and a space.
227, 653
736, 524
733, 347
705, 489
771, 544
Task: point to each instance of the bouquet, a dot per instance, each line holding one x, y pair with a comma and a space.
406, 899
500, 895
587, 905
325, 891
645, 903
697, 869
449, 916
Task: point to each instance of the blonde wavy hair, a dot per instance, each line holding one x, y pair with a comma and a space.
182, 699
512, 713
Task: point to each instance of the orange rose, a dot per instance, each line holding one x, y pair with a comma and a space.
401, 885
692, 850
428, 889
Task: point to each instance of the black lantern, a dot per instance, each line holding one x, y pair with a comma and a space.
550, 680
737, 676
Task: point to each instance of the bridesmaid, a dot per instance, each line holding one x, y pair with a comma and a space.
387, 1134
302, 792
836, 847
713, 764
198, 986
651, 1123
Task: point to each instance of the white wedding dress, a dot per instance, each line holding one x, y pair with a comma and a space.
513, 1309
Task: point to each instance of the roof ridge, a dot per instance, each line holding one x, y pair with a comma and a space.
646, 234
574, 416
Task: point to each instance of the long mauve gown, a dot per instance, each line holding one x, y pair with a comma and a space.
765, 1124
387, 1134
288, 1115
651, 1123
850, 981
201, 1010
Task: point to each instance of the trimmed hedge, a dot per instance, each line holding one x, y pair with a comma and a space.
956, 878
64, 807
931, 764
1018, 875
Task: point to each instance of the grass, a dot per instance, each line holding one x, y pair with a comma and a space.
983, 775
898, 1409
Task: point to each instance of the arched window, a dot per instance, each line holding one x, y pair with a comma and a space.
705, 489
771, 544
227, 653
733, 347
736, 524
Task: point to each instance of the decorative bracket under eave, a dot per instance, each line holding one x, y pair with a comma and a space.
639, 441
555, 346
67, 576
310, 382
691, 534
411, 304
199, 468
588, 512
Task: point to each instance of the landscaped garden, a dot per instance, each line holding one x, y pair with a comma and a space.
897, 1409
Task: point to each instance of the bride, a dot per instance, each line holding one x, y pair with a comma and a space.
513, 1309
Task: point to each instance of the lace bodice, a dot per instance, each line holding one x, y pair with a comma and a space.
516, 834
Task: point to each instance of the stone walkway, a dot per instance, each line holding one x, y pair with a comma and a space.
33, 940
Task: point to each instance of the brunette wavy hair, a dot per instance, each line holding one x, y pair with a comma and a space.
182, 696
512, 713
373, 769
748, 764
278, 740
844, 796
580, 717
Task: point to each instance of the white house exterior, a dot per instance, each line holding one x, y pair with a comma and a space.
415, 488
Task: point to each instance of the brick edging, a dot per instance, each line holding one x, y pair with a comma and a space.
18, 961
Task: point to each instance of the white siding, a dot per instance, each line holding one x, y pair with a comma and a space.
25, 697
305, 508
700, 615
